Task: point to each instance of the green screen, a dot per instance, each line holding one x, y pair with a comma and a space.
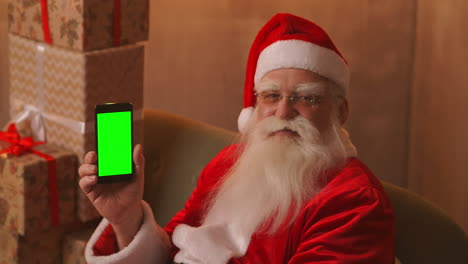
114, 137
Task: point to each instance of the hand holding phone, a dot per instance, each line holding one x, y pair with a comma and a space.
120, 203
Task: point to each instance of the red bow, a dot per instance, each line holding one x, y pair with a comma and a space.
19, 145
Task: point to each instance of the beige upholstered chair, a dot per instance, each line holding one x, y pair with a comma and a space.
177, 149
425, 234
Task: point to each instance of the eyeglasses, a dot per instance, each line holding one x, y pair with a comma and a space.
274, 97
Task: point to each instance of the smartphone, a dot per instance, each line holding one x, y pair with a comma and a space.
114, 142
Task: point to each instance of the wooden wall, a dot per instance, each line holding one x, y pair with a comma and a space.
439, 124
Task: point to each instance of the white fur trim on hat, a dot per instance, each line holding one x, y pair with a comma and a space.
305, 55
244, 117
150, 245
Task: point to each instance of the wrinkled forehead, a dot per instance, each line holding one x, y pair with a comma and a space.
316, 87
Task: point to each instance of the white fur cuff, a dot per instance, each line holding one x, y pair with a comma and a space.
305, 55
150, 245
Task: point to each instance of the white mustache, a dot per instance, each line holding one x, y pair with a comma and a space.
299, 124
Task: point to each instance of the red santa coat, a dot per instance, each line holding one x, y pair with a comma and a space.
350, 221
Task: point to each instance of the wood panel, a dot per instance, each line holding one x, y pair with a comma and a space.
197, 53
381, 82
439, 144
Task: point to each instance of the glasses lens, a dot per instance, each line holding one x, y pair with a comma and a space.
270, 97
309, 100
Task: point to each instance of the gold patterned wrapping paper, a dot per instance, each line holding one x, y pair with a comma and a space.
74, 246
67, 84
24, 192
80, 24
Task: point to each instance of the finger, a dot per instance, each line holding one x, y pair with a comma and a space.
87, 170
90, 157
87, 183
139, 160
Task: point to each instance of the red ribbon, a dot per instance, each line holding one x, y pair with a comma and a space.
18, 147
117, 18
45, 22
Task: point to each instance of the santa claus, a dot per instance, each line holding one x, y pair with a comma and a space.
291, 191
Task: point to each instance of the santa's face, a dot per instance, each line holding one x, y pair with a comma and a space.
292, 139
315, 100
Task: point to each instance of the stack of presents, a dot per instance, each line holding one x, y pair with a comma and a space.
65, 57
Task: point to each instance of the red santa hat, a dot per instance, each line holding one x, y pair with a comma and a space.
288, 41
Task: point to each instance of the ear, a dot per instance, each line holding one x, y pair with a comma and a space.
343, 110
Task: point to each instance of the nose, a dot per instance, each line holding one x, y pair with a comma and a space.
285, 109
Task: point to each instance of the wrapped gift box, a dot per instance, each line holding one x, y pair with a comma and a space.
74, 246
39, 247
64, 86
81, 24
25, 197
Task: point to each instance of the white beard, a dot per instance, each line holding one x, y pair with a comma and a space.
275, 175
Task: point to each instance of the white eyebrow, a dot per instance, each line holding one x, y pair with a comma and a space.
315, 87
267, 85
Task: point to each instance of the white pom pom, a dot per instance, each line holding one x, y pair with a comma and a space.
244, 118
